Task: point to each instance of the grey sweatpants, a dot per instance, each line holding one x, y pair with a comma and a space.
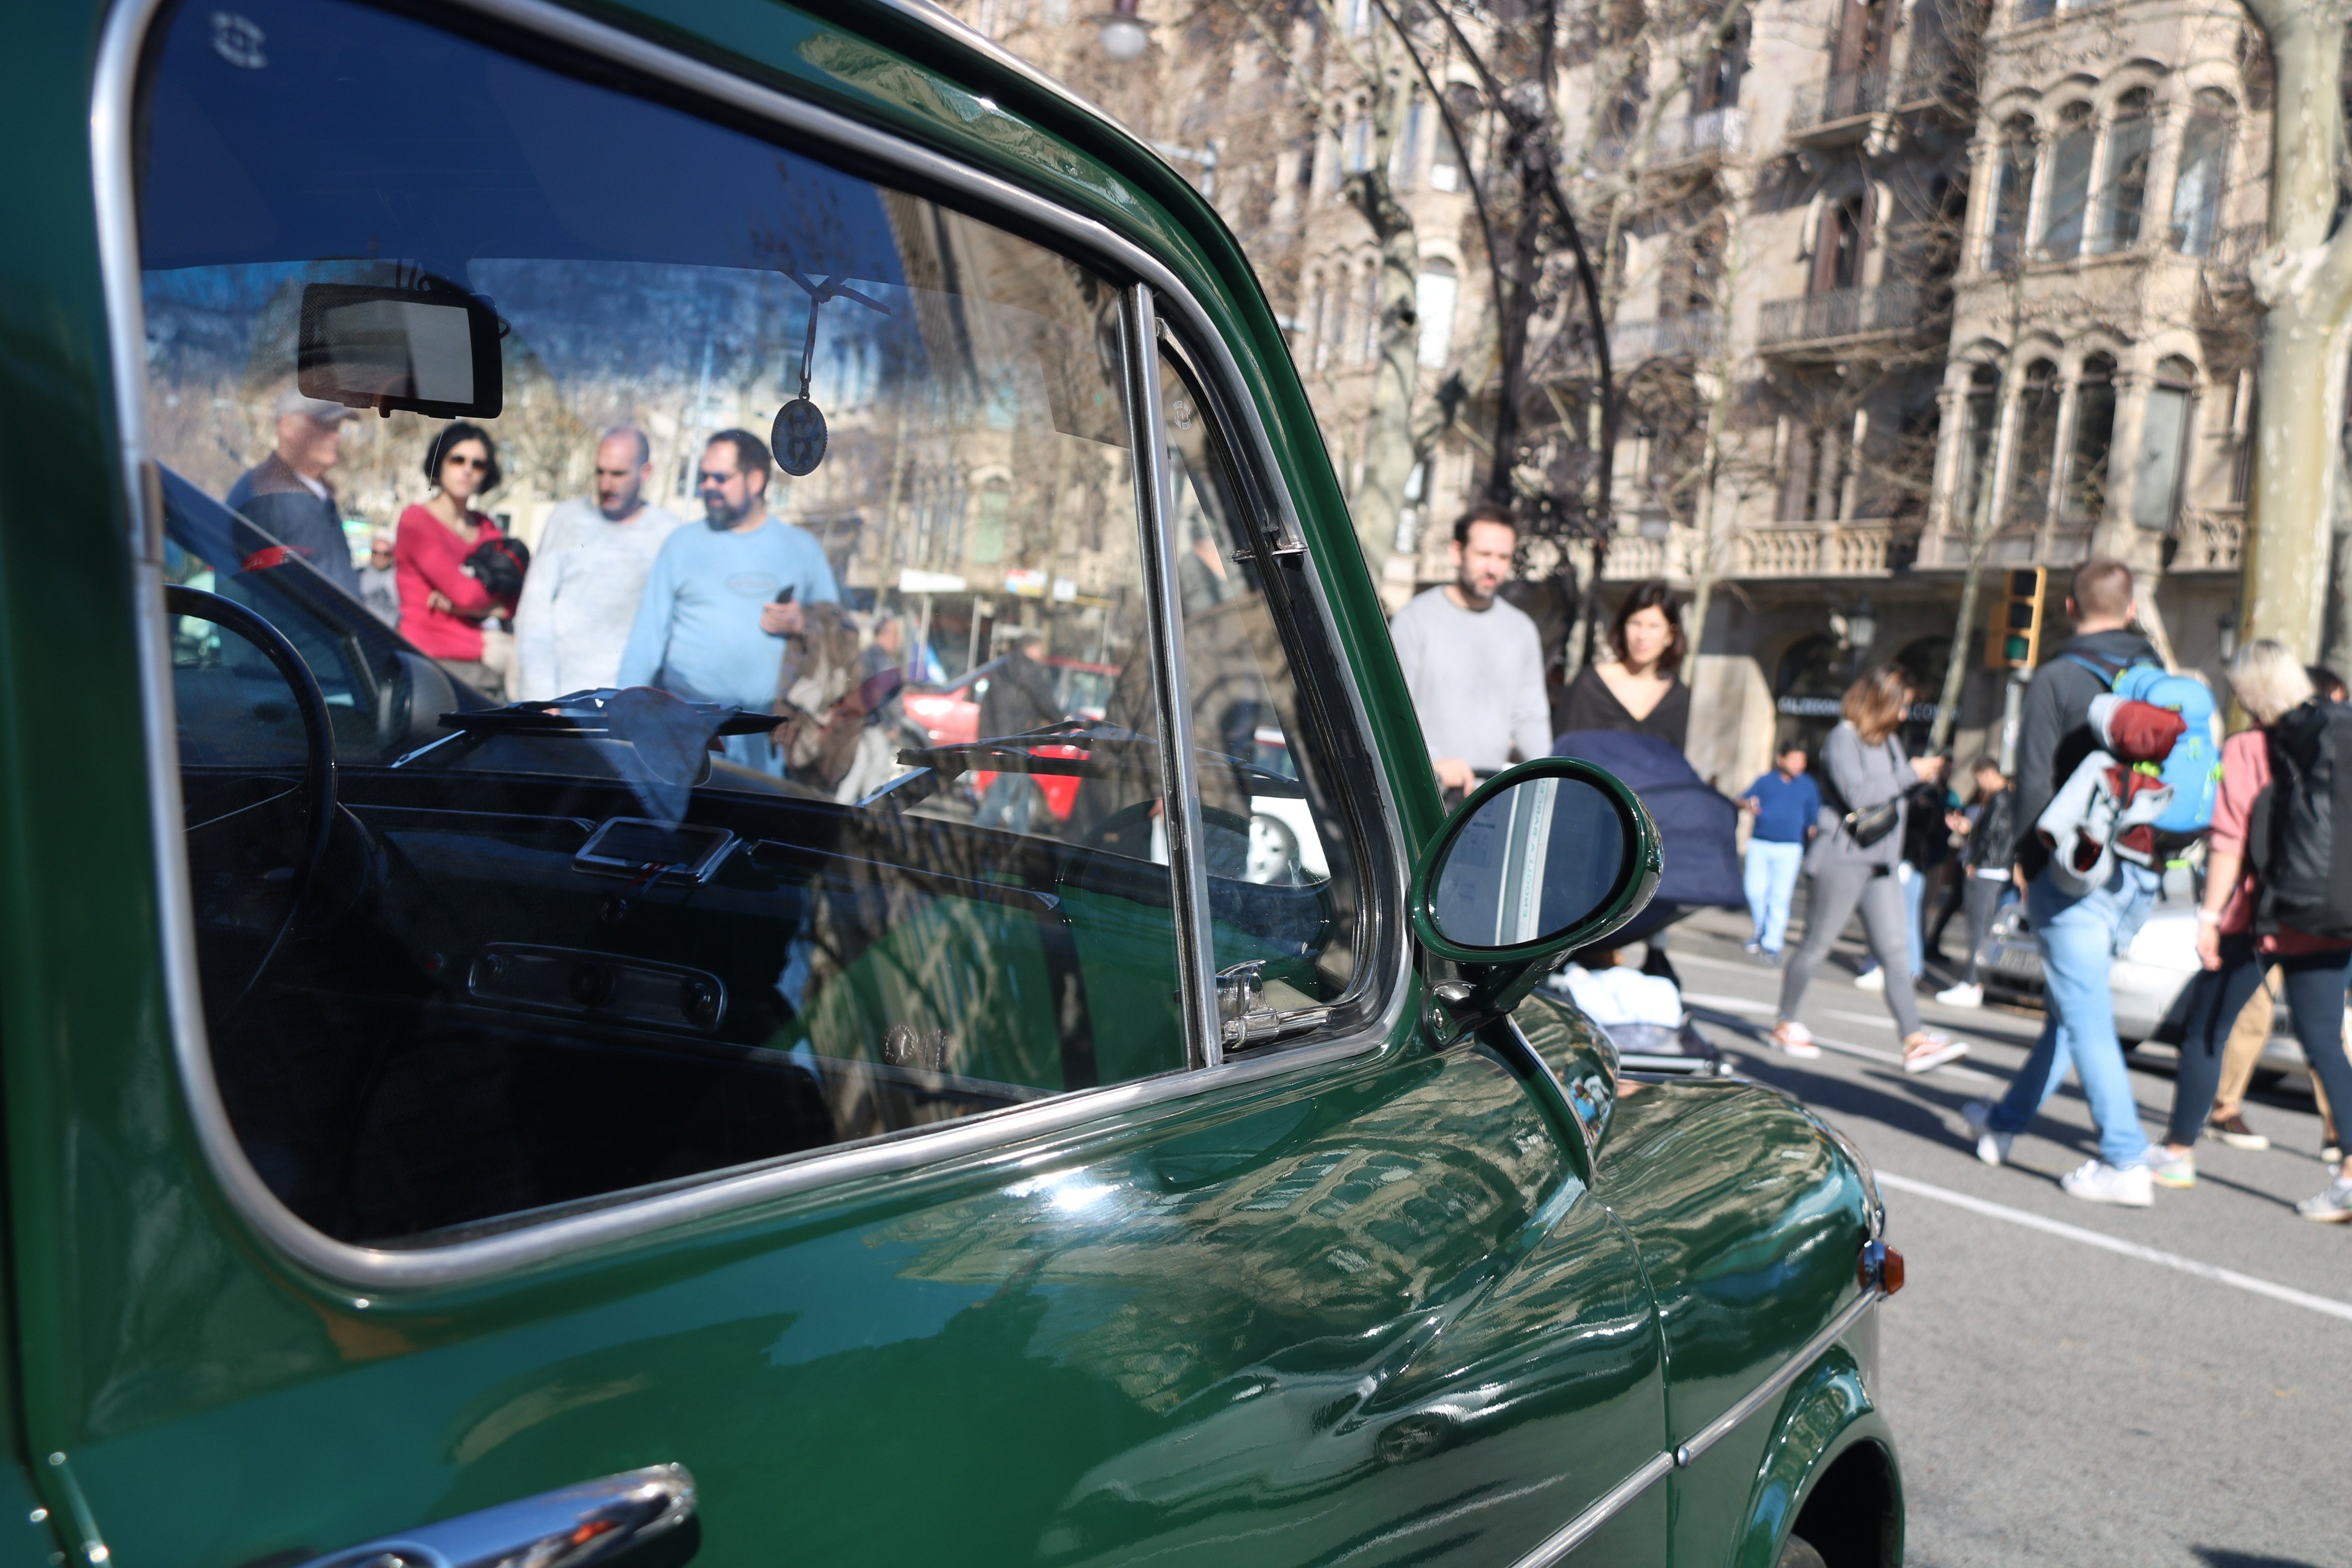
1837, 888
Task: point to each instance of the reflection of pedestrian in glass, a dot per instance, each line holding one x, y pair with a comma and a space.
1020, 697
287, 495
1783, 803
581, 599
442, 607
380, 580
711, 627
1865, 772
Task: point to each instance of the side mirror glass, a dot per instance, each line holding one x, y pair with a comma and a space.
433, 349
1550, 855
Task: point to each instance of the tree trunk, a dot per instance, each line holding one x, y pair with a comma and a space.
2305, 280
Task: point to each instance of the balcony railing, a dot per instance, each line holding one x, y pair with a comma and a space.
1670, 337
1839, 313
2209, 540
1859, 548
1713, 134
1930, 74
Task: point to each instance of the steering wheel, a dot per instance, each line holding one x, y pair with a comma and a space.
316, 791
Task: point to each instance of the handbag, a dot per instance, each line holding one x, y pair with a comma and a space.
1869, 823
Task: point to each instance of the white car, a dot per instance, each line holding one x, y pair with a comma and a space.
2149, 981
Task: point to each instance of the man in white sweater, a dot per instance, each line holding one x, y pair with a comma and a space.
581, 597
1473, 663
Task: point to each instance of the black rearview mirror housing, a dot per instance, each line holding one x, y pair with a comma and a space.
1543, 859
432, 349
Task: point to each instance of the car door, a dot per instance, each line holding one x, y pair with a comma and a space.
552, 1111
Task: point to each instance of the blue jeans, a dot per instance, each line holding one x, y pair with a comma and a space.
2080, 938
1768, 878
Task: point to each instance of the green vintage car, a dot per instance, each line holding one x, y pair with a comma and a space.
643, 1101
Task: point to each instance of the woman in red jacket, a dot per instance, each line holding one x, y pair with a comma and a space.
442, 607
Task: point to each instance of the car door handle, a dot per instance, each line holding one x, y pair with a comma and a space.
639, 1519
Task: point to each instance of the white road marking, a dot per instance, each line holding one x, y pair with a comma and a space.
2190, 1266
1736, 1003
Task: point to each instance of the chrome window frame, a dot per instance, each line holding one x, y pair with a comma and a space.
369, 1269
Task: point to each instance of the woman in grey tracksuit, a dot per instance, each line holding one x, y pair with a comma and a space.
1863, 765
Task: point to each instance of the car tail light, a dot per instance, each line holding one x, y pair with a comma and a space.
1880, 1268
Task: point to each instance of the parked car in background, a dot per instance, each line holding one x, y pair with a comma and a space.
2149, 981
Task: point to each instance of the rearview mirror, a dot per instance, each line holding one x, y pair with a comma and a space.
433, 349
1550, 855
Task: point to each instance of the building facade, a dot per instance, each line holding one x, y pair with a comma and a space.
1890, 285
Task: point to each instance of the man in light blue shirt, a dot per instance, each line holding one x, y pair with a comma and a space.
710, 628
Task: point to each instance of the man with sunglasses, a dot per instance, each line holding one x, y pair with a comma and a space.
581, 598
715, 610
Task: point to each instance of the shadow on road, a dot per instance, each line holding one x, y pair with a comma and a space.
2221, 1557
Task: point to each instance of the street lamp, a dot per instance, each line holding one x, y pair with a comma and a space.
1123, 35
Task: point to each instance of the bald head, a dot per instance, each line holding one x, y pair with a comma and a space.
623, 468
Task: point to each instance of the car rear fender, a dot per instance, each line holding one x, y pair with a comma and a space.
1829, 1473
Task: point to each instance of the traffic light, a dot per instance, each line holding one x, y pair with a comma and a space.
2013, 630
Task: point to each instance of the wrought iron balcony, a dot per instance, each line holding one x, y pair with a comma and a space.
1839, 317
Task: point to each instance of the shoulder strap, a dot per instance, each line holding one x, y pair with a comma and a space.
2098, 666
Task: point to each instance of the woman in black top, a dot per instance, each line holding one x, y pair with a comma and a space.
1641, 687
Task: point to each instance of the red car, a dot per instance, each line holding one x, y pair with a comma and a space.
950, 716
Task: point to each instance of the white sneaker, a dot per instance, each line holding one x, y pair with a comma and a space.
1871, 980
1962, 995
1992, 1147
1793, 1039
2333, 1207
2097, 1181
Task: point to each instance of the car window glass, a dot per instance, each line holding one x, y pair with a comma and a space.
738, 821
1283, 883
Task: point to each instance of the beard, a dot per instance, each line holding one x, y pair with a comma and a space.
719, 516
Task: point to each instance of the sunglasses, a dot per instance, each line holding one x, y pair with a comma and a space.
706, 479
479, 464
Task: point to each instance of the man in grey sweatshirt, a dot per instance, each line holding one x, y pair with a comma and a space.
581, 597
1473, 663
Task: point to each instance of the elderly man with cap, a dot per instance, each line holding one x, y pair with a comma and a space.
286, 496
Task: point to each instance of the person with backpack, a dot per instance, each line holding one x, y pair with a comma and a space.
1865, 778
2274, 898
2081, 929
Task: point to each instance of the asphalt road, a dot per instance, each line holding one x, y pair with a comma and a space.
2054, 1400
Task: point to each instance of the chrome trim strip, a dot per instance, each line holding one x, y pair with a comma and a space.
1196, 962
376, 1269
1604, 1509
1557, 1547
1795, 1367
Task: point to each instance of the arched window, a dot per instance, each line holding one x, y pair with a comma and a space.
2122, 186
2095, 432
1408, 148
2163, 445
1448, 161
2012, 194
1979, 419
2068, 188
2204, 161
1433, 297
2030, 469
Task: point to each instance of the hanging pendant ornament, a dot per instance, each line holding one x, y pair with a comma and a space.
798, 438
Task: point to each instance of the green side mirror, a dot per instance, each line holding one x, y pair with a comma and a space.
1546, 857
